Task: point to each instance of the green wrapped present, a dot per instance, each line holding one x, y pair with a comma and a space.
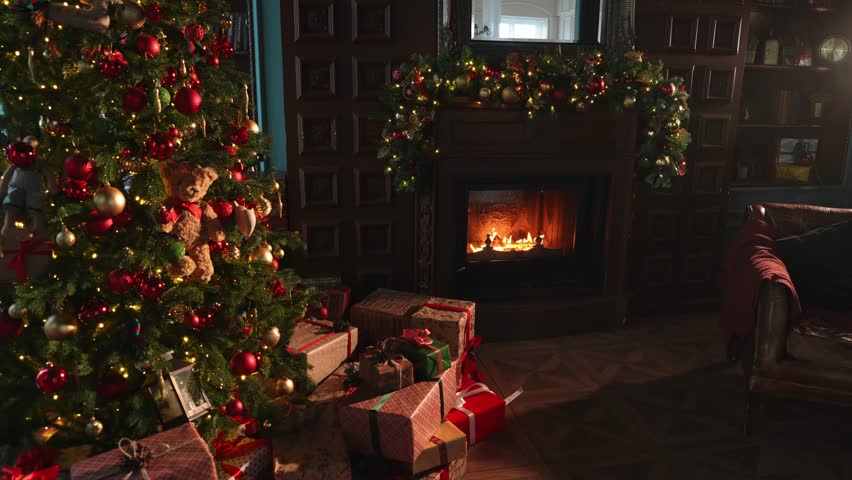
430, 357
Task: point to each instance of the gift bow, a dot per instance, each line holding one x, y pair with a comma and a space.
19, 260
16, 473
419, 336
234, 447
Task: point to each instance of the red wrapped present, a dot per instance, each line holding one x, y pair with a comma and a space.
176, 454
23, 258
398, 425
314, 453
479, 412
241, 457
325, 349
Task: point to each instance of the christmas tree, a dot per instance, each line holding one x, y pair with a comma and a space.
129, 180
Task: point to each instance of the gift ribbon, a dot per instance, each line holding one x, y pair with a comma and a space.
440, 383
227, 449
16, 473
318, 340
374, 422
453, 308
179, 206
19, 260
137, 457
442, 449
420, 338
476, 389
467, 361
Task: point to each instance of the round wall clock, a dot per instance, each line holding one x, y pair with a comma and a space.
834, 49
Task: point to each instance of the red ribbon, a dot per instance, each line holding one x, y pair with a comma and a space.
179, 206
318, 340
442, 449
419, 336
226, 449
19, 261
15, 473
468, 361
453, 308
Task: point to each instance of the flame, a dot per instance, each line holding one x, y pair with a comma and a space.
505, 243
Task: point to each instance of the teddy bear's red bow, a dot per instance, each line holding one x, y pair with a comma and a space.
171, 215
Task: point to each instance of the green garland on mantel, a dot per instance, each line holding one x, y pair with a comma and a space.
538, 83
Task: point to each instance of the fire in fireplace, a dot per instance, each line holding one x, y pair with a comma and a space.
520, 224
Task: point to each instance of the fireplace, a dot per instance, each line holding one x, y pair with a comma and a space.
529, 219
529, 237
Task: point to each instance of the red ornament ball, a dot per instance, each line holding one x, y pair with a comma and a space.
668, 89
258, 356
170, 78
194, 32
234, 407
134, 100
192, 320
20, 154
79, 167
150, 287
322, 313
112, 64
112, 385
154, 13
160, 146
10, 327
397, 135
194, 81
75, 189
597, 85
147, 45
126, 153
51, 378
213, 60
244, 363
225, 49
187, 101
97, 225
217, 247
239, 134
274, 265
206, 315
119, 282
276, 288
174, 132
223, 208
237, 170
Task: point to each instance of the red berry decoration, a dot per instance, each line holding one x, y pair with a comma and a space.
234, 407
598, 85
112, 64
170, 78
147, 45
119, 282
93, 308
187, 101
75, 189
20, 154
126, 153
97, 225
154, 13
160, 146
194, 32
244, 363
668, 89
150, 287
192, 320
10, 327
112, 385
79, 167
239, 134
134, 100
51, 378
223, 208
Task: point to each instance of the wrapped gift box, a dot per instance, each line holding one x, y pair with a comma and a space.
385, 313
430, 360
242, 457
179, 454
454, 471
325, 349
383, 376
314, 453
479, 412
334, 388
23, 258
398, 425
446, 445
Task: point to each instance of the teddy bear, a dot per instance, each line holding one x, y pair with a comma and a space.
21, 187
189, 218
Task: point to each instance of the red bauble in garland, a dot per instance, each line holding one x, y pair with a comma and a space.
192, 320
170, 78
149, 287
217, 247
119, 282
238, 134
222, 46
147, 45
126, 153
111, 385
74, 189
187, 101
234, 407
397, 135
322, 313
237, 170
79, 167
160, 146
154, 13
213, 60
244, 363
232, 150
10, 327
134, 99
276, 288
174, 132
97, 225
274, 263
112, 64
668, 89
194, 32
93, 308
223, 208
207, 316
20, 154
597, 85
194, 81
51, 378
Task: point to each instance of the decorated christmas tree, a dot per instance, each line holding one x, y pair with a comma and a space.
143, 281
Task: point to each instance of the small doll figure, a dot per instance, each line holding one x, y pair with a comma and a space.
21, 187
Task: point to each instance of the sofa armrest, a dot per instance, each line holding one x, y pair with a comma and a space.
772, 325
790, 219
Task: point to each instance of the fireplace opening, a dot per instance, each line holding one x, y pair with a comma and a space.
531, 237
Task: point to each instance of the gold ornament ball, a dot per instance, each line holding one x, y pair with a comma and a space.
109, 201
16, 311
94, 427
263, 207
60, 326
509, 95
271, 337
132, 15
629, 101
66, 238
284, 386
251, 126
261, 254
279, 253
484, 93
277, 186
233, 254
226, 22
462, 81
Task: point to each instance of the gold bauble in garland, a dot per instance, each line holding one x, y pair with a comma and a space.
263, 207
94, 427
226, 22
271, 337
132, 15
279, 253
484, 93
109, 201
232, 254
629, 101
509, 95
462, 82
251, 126
60, 326
284, 386
66, 238
16, 311
261, 254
